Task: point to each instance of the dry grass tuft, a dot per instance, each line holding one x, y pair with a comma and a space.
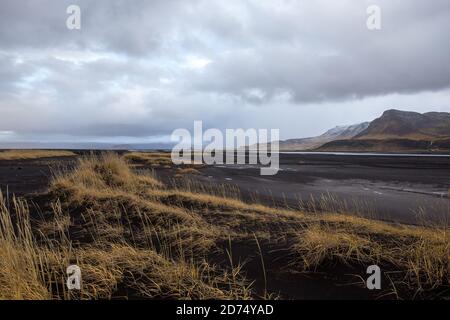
153, 159
33, 266
184, 171
20, 269
105, 172
319, 243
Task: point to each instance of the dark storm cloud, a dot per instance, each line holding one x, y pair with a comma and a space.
136, 27
139, 67
334, 57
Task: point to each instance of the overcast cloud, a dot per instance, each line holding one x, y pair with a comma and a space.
138, 69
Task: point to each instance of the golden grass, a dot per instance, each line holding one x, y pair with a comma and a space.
183, 171
20, 275
153, 159
33, 154
104, 172
129, 232
318, 243
159, 160
33, 267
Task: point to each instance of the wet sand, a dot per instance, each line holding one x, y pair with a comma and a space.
395, 188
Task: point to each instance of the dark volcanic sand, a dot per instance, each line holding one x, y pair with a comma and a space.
23, 177
395, 188
379, 180
33, 175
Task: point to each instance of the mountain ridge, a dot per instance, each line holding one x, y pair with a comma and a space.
394, 130
397, 130
395, 124
336, 133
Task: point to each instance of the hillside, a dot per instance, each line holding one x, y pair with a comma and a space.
399, 131
396, 124
337, 133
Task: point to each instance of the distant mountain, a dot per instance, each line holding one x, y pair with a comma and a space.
399, 131
396, 124
394, 131
337, 133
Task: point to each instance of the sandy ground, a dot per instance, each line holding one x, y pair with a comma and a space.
392, 188
401, 189
27, 177
22, 177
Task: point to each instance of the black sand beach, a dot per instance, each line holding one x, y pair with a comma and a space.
385, 187
406, 189
403, 189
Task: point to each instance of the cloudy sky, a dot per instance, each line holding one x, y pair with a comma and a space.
138, 69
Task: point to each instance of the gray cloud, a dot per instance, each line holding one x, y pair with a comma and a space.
142, 68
